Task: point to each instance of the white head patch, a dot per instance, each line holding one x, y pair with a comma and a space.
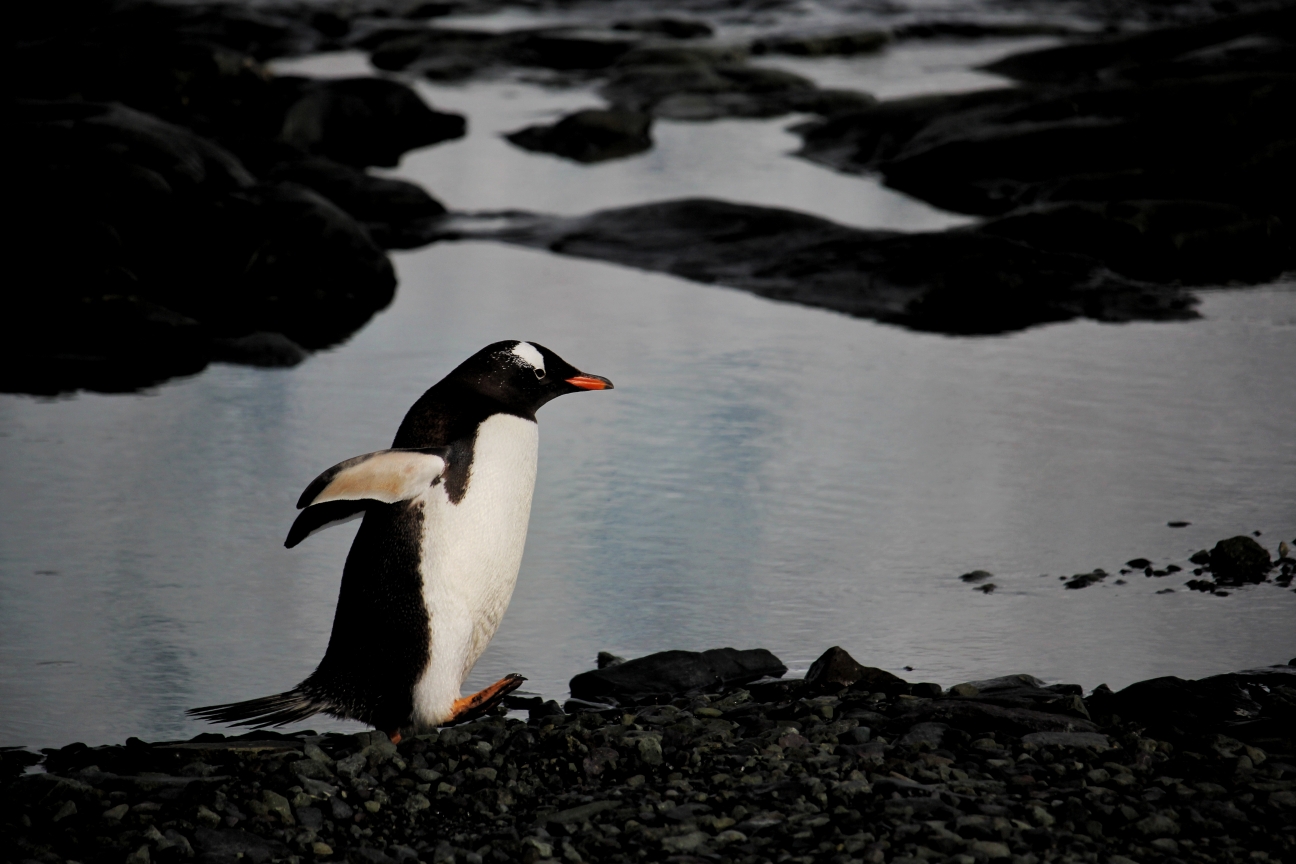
528, 354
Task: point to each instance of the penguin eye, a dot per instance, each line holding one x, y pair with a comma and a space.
540, 373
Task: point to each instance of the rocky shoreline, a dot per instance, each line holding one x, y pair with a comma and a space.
181, 205
686, 758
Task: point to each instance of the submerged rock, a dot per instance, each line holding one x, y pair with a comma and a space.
589, 136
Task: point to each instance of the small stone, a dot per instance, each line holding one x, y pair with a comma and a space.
977, 576
69, 808
989, 849
607, 659
1166, 845
1157, 825
374, 806
685, 842
116, 813
205, 816
321, 849
417, 802
278, 805
964, 691
139, 856
730, 836
986, 589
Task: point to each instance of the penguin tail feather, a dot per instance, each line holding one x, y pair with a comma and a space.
278, 710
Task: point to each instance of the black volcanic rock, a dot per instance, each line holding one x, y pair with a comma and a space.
675, 672
962, 281
589, 136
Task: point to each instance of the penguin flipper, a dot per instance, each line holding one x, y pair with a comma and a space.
349, 488
278, 710
387, 476
326, 515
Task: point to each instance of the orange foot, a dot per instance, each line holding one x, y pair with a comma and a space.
474, 706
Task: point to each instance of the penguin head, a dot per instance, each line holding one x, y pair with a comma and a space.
524, 375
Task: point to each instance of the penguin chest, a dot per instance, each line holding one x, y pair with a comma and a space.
472, 548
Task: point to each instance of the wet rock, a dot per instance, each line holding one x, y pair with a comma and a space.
675, 28
589, 136
959, 281
836, 670
393, 211
701, 84
823, 45
675, 672
1239, 561
1131, 150
977, 576
978, 30
267, 350
607, 659
1084, 580
228, 846
364, 121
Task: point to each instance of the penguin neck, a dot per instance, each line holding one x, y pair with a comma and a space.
450, 411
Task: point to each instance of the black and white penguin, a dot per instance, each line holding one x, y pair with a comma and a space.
436, 558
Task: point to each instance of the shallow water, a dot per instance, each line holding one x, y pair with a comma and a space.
763, 475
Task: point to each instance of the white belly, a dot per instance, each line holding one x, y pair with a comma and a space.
470, 557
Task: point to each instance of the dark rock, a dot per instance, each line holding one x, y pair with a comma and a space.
437, 53
823, 45
980, 717
229, 846
364, 121
1142, 152
978, 30
1084, 580
675, 672
1233, 703
977, 576
569, 49
607, 659
1201, 556
1178, 523
959, 281
1187, 242
589, 136
393, 211
836, 670
1252, 40
1239, 561
704, 84
675, 28
268, 350
1138, 563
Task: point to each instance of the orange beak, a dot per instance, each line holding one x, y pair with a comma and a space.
590, 382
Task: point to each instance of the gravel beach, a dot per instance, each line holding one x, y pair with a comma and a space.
849, 764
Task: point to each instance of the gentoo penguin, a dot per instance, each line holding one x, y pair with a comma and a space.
434, 563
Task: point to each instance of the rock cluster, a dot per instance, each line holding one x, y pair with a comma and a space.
1158, 156
179, 205
968, 281
1232, 563
851, 764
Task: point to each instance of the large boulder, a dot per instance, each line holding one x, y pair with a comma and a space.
1239, 561
147, 248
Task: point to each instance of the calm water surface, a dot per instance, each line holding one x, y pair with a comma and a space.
763, 475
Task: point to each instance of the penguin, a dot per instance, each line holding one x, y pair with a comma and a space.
432, 568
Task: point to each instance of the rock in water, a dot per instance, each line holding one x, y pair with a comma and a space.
675, 672
589, 136
836, 670
364, 121
1239, 561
